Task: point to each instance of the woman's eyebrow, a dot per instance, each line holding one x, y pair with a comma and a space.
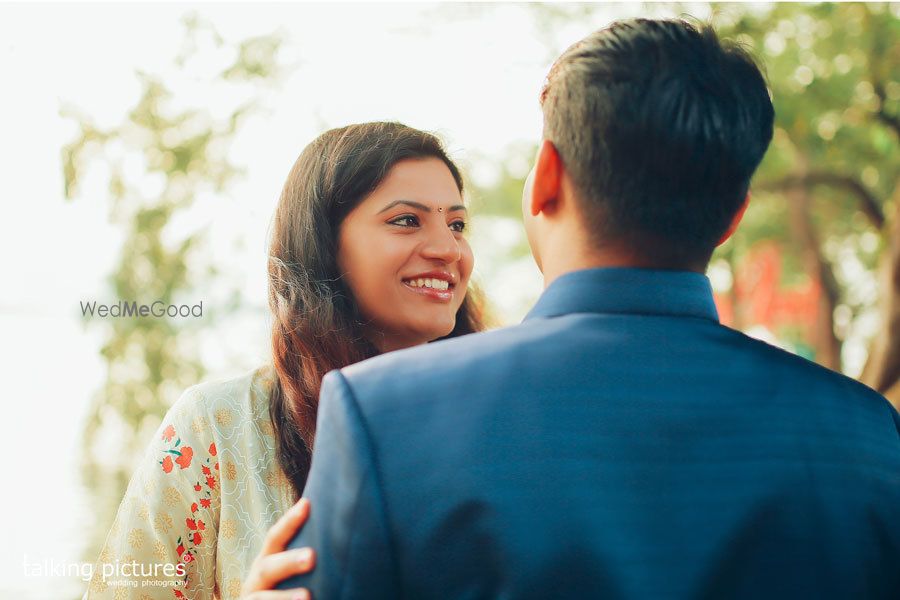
419, 206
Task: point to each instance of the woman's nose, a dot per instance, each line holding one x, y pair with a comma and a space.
442, 246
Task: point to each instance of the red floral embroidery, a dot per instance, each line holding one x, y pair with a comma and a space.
185, 454
184, 460
187, 545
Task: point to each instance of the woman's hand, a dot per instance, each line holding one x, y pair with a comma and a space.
274, 564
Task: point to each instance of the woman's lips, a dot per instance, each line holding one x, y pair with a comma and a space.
443, 296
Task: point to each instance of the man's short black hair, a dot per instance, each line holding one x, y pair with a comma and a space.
660, 126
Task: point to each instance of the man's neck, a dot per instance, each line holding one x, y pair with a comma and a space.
554, 266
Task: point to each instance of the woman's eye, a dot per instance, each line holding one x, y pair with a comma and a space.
405, 221
458, 226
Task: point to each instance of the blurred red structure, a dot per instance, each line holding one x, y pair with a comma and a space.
758, 296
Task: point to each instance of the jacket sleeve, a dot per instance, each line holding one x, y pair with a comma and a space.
348, 524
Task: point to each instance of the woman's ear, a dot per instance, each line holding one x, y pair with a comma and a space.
547, 180
735, 221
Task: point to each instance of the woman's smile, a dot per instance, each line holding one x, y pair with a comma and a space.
432, 285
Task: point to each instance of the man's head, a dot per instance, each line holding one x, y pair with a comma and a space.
652, 131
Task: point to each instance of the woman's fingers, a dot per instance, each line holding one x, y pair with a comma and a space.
273, 564
271, 570
298, 594
284, 529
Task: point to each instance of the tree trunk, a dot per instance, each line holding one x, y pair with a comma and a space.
827, 345
882, 370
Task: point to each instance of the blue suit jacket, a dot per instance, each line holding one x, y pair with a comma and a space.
619, 443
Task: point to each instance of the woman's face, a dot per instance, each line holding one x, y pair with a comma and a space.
404, 257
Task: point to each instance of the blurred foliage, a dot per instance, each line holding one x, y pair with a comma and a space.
159, 159
824, 63
827, 189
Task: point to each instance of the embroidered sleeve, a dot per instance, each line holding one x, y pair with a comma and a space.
162, 543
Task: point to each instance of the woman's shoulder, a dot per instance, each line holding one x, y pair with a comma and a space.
224, 403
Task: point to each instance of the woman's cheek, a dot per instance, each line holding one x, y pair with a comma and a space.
468, 260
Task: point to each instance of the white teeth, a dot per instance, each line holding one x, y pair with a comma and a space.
435, 284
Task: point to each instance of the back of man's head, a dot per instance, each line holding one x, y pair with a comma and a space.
660, 127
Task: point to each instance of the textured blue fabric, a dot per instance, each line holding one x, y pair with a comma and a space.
619, 443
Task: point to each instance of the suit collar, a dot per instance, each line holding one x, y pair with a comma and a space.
628, 291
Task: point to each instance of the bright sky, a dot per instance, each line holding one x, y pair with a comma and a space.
470, 73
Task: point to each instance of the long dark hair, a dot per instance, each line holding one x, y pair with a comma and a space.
316, 322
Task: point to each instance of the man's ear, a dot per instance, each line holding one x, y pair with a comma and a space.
735, 221
545, 184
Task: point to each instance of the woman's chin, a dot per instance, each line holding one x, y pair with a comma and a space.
434, 332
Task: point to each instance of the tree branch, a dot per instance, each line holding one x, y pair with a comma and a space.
882, 115
868, 202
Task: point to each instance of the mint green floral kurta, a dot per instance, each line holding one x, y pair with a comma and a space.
202, 499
